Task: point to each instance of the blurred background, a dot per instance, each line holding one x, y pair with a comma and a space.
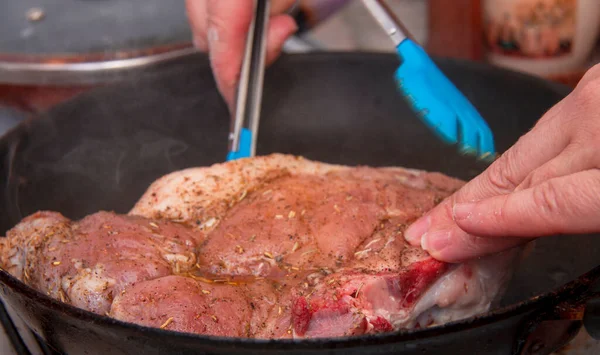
556, 39
51, 50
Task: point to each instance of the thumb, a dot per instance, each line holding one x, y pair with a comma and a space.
568, 204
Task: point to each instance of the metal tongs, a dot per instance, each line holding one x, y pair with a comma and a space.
244, 128
439, 104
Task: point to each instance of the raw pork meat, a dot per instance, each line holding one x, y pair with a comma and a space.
88, 263
267, 247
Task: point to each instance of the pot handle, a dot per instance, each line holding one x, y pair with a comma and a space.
591, 314
552, 327
548, 330
591, 317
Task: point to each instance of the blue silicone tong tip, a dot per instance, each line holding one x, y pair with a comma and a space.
244, 128
244, 148
431, 95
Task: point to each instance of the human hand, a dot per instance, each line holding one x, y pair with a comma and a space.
221, 26
548, 183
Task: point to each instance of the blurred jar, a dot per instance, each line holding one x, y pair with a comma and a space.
548, 38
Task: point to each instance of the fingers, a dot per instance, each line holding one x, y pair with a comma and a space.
196, 14
281, 27
445, 241
545, 141
460, 247
227, 54
438, 233
545, 184
196, 11
568, 204
227, 25
574, 158
221, 28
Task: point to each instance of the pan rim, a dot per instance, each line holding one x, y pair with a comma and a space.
542, 302
549, 299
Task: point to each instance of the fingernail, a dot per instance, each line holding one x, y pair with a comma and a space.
462, 211
416, 230
434, 242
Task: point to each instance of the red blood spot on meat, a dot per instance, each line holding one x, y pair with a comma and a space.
300, 315
412, 283
319, 303
381, 325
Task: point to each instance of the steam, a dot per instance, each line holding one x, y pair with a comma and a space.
13, 208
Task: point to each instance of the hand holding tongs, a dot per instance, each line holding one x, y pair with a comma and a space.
244, 128
431, 94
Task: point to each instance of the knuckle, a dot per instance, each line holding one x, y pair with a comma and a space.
497, 178
499, 173
546, 197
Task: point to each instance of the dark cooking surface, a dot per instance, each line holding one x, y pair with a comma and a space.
9, 118
102, 150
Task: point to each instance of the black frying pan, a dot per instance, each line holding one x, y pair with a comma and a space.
103, 149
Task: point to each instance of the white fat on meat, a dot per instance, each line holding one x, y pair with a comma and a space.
470, 289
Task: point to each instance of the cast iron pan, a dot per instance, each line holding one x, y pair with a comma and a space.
102, 150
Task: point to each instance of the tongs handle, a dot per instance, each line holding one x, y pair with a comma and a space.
244, 128
386, 19
431, 95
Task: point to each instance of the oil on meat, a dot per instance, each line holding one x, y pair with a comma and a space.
267, 247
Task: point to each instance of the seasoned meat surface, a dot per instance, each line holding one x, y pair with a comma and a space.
267, 247
176, 302
87, 263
